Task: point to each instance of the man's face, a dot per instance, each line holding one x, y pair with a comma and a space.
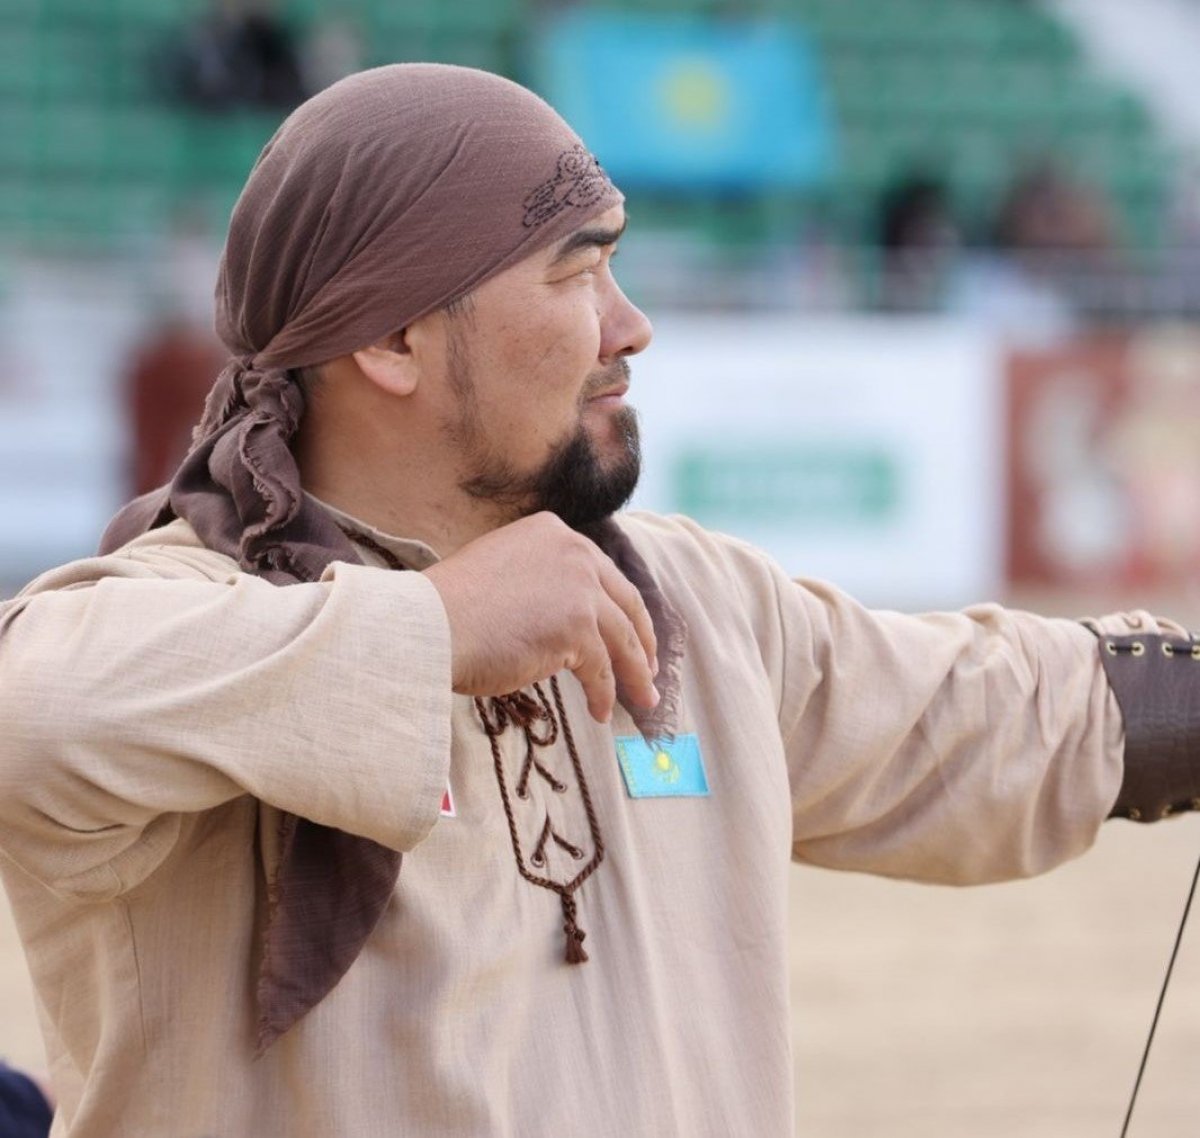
536, 375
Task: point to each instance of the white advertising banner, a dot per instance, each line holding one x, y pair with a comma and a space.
864, 452
64, 332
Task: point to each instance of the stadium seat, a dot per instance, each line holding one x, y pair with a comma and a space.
972, 85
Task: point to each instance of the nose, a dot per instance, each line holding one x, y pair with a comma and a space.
624, 330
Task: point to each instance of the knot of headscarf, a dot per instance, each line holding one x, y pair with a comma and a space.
245, 387
385, 197
242, 450
249, 420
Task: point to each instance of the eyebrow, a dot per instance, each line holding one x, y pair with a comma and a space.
587, 239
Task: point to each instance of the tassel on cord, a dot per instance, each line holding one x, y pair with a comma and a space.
575, 935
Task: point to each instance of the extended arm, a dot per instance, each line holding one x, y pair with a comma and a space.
955, 747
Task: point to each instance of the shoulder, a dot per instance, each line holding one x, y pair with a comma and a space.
686, 558
171, 552
669, 532
678, 542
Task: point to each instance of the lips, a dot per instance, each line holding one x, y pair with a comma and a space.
610, 383
609, 393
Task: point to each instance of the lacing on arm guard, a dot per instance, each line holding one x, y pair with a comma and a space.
1156, 680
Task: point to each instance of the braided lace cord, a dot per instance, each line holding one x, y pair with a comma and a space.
541, 723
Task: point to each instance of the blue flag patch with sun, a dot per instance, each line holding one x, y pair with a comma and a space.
662, 768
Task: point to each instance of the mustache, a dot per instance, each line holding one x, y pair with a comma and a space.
613, 375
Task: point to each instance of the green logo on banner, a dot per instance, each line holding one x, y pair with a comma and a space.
802, 483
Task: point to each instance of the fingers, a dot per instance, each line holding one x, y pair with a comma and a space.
585, 616
594, 672
632, 665
630, 602
622, 649
613, 655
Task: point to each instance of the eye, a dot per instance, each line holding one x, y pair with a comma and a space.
601, 261
587, 264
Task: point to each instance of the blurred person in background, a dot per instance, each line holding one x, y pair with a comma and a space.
25, 1107
381, 776
1047, 210
331, 51
1051, 232
240, 54
919, 240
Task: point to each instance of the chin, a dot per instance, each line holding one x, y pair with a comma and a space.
610, 429
590, 478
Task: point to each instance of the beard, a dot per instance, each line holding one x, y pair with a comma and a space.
581, 489
574, 481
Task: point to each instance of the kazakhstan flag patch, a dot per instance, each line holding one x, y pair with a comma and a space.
662, 768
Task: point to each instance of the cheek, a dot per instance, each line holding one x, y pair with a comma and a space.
557, 345
572, 356
540, 357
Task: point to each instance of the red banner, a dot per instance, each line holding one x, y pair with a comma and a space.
1104, 462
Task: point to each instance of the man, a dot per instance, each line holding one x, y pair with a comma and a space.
496, 845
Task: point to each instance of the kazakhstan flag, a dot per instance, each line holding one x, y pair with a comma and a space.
674, 102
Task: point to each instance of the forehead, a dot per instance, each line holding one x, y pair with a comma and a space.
598, 231
603, 229
611, 218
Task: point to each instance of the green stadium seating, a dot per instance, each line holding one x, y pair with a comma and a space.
966, 86
73, 139
165, 14
971, 88
19, 157
152, 144
20, 68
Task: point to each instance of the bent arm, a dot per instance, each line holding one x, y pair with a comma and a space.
128, 699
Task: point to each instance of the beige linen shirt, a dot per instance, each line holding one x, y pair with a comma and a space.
160, 707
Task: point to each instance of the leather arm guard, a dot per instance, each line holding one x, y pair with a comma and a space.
1156, 680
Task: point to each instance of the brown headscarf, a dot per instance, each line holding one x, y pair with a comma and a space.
385, 197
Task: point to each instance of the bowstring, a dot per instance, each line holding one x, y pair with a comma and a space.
1162, 995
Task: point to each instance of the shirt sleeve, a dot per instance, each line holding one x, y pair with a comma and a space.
958, 748
130, 699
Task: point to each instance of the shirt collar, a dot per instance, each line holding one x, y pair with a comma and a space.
410, 552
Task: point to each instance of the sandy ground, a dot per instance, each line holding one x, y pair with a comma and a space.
1015, 1010
919, 1012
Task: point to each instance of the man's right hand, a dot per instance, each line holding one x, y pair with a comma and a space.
533, 598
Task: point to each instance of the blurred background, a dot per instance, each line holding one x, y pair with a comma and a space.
925, 276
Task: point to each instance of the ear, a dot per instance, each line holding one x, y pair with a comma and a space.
390, 364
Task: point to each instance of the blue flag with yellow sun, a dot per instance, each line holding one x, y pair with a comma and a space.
675, 102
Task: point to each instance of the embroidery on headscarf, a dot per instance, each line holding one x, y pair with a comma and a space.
579, 180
